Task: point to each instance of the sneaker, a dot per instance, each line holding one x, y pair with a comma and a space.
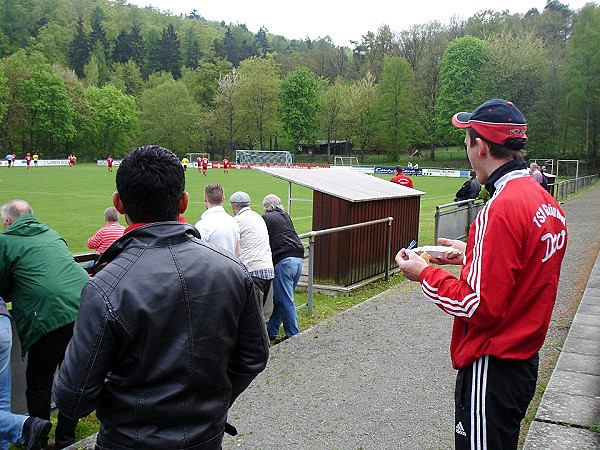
35, 432
278, 340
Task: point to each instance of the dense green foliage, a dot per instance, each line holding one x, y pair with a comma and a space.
392, 92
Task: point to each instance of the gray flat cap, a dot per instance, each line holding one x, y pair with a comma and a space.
239, 197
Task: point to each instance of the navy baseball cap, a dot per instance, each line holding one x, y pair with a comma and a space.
496, 120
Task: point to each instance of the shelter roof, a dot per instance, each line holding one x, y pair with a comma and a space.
345, 183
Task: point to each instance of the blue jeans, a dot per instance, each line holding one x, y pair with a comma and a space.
11, 425
287, 274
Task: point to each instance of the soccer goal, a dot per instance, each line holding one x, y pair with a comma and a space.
347, 161
263, 157
567, 168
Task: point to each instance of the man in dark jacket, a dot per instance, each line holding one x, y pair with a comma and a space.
470, 188
287, 251
170, 330
44, 283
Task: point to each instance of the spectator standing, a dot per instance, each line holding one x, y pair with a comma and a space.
105, 236
503, 299
43, 281
26, 432
402, 179
255, 251
470, 188
216, 226
162, 345
287, 251
538, 176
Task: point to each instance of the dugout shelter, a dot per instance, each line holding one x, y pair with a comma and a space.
342, 196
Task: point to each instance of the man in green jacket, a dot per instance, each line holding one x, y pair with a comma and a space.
43, 282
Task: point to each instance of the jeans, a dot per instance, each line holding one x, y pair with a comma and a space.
11, 425
44, 357
287, 274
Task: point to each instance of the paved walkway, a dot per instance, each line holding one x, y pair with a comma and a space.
378, 376
571, 402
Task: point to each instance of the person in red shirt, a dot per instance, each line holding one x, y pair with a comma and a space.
402, 179
28, 160
199, 163
106, 235
225, 165
110, 162
503, 299
204, 165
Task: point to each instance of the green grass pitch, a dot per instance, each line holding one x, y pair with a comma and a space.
72, 200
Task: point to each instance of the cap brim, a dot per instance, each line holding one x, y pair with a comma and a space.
461, 120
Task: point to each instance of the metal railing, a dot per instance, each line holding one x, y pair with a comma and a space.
565, 188
311, 252
452, 220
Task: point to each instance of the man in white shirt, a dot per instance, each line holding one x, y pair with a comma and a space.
255, 251
216, 226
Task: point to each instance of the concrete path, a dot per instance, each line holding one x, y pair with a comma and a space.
570, 406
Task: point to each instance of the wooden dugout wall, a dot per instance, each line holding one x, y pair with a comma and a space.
351, 256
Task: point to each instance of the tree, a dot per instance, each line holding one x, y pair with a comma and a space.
169, 117
517, 70
299, 96
4, 93
170, 52
581, 110
395, 94
113, 123
192, 53
50, 109
262, 42
358, 112
461, 83
330, 113
257, 99
79, 50
128, 78
203, 82
122, 48
225, 110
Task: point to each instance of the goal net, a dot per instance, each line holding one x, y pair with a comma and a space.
347, 161
567, 169
263, 157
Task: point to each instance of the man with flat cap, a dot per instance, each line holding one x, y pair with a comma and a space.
255, 251
503, 299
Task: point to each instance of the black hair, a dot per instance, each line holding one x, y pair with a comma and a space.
512, 148
150, 182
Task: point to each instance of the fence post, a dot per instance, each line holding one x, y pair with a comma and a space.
311, 262
388, 248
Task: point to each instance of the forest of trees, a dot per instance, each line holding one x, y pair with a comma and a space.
99, 77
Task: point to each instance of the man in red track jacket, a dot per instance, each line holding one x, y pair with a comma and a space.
503, 299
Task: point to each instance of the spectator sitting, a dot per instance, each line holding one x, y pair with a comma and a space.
106, 235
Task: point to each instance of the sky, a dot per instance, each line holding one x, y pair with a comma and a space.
342, 20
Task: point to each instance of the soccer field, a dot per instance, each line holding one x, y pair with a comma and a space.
72, 200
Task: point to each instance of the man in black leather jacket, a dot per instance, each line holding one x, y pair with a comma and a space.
170, 330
